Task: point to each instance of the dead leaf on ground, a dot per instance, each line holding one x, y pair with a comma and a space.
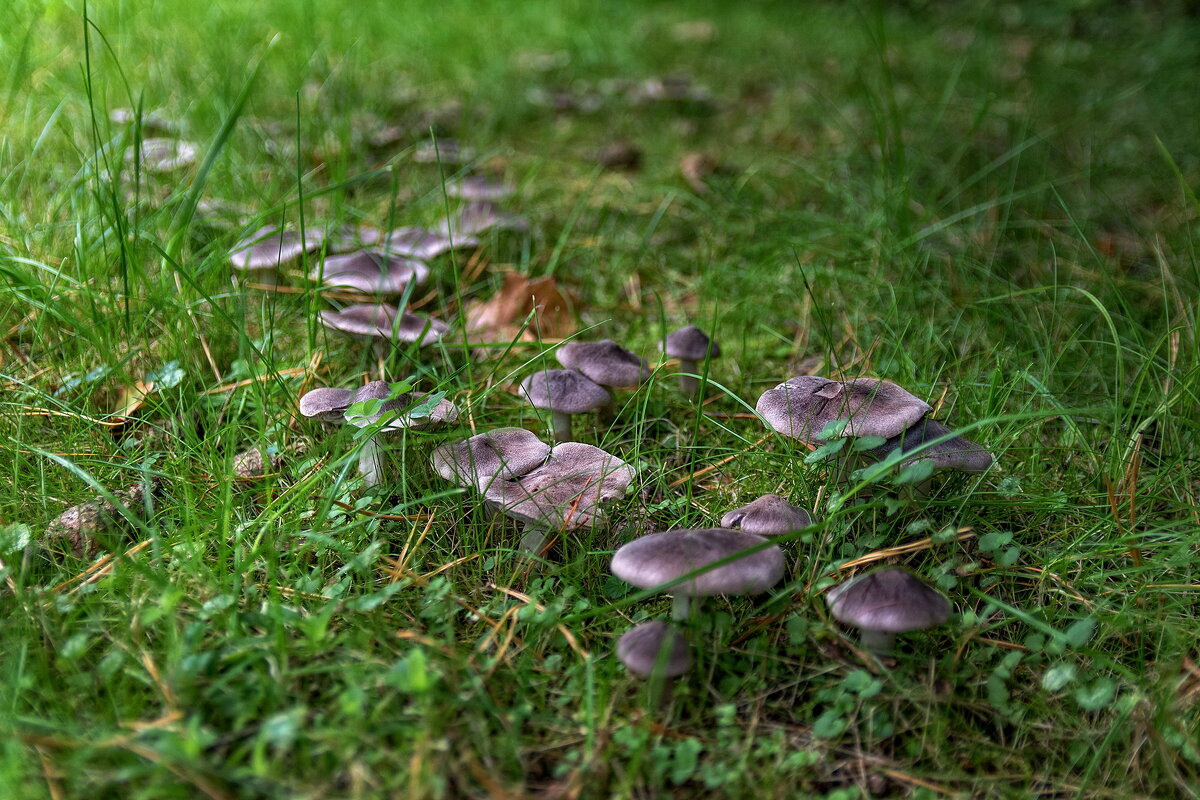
502, 317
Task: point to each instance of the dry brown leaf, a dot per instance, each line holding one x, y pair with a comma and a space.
501, 317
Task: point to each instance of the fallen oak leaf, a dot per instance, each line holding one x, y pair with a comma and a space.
503, 316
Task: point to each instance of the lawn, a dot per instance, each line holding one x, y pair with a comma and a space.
991, 205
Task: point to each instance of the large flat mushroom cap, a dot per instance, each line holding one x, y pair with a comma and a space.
639, 649
657, 558
769, 515
605, 362
563, 390
380, 320
689, 343
269, 248
326, 404
801, 407
372, 271
954, 453
566, 492
502, 454
891, 600
424, 244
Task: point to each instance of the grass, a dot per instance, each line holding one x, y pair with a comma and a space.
991, 206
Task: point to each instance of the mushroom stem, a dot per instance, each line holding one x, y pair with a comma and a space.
878, 642
681, 607
562, 426
370, 461
689, 384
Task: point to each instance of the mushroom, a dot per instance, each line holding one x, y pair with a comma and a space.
263, 252
654, 647
563, 392
502, 454
954, 452
425, 244
692, 347
372, 271
886, 602
769, 515
801, 407
478, 187
604, 362
650, 561
165, 155
567, 492
326, 404
477, 216
443, 151
382, 324
79, 525
150, 121
396, 415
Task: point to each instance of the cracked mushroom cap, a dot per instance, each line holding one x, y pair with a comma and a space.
566, 492
769, 515
425, 244
503, 454
401, 408
642, 647
326, 404
372, 271
563, 390
604, 362
657, 558
954, 453
890, 600
801, 407
269, 248
368, 319
689, 343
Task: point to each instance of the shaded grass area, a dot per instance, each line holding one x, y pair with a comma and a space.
993, 207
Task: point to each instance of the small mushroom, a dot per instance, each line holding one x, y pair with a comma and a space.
151, 121
479, 187
425, 244
604, 362
326, 404
953, 453
692, 347
884, 603
654, 647
478, 216
563, 392
79, 525
382, 324
443, 151
372, 271
650, 561
769, 515
165, 155
397, 415
263, 252
502, 454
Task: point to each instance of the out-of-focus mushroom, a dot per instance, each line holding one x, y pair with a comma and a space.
425, 244
263, 252
563, 392
654, 647
884, 603
165, 155
444, 151
604, 362
692, 347
477, 216
386, 323
658, 558
769, 515
479, 187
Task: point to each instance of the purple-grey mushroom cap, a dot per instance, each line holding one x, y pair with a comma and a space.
380, 321
372, 271
566, 492
477, 216
503, 454
689, 343
479, 187
654, 644
425, 244
801, 407
889, 600
445, 151
564, 391
166, 155
399, 410
769, 515
268, 248
326, 404
954, 453
605, 362
657, 558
